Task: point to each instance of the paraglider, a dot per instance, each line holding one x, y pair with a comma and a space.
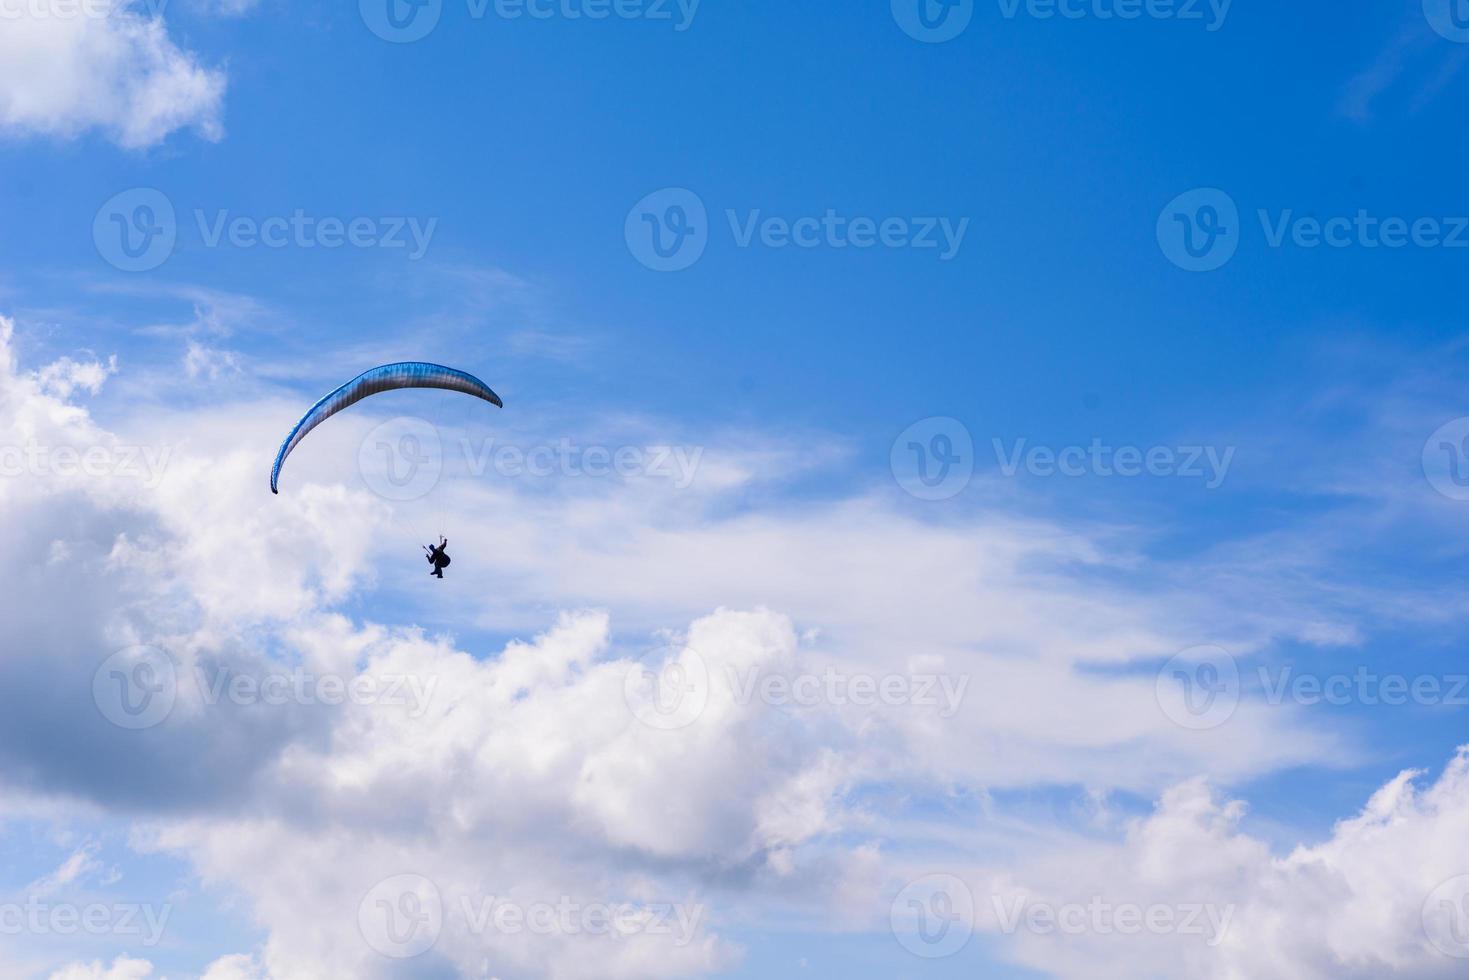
438, 557
388, 377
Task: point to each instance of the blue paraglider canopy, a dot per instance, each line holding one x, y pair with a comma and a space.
388, 377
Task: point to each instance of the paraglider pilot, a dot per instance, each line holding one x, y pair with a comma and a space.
438, 557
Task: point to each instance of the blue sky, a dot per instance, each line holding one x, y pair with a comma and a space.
787, 257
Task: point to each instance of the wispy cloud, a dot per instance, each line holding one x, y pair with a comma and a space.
1416, 57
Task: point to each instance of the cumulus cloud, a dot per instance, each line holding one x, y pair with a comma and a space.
208, 362
240, 966
63, 377
70, 67
501, 800
615, 795
1188, 893
122, 968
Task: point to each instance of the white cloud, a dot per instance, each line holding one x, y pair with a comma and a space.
122, 968
237, 967
1351, 906
499, 796
80, 862
525, 778
70, 67
208, 362
63, 377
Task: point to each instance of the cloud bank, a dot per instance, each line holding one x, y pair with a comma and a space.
807, 709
